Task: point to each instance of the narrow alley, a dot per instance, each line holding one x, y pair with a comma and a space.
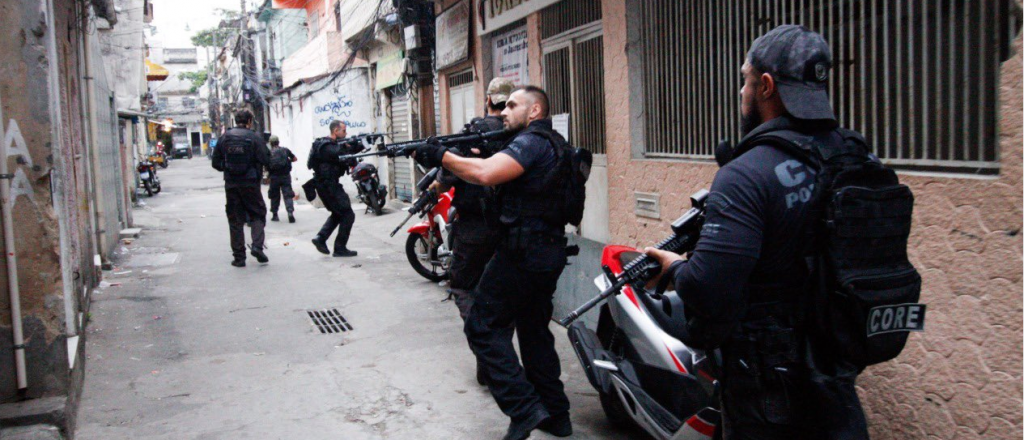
183, 346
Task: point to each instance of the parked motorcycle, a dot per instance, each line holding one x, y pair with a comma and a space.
370, 190
148, 178
643, 375
427, 245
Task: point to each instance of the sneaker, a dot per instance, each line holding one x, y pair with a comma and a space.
260, 256
345, 253
321, 246
558, 426
238, 263
291, 218
274, 218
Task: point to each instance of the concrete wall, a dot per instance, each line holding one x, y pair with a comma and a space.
348, 98
962, 377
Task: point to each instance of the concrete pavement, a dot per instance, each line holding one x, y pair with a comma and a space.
181, 345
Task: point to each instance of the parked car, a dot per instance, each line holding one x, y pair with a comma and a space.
181, 150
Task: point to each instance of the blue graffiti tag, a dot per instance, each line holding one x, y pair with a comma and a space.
335, 107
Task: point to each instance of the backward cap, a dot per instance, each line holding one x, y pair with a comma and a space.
274, 140
800, 62
499, 89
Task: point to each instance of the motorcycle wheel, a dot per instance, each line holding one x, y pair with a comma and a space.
375, 203
157, 188
418, 252
611, 403
164, 163
148, 188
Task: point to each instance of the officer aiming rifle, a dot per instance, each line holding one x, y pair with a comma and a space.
454, 141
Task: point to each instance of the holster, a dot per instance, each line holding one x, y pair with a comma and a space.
310, 189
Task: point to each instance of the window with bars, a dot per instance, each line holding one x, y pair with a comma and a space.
573, 66
918, 77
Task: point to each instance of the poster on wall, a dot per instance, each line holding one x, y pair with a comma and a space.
510, 56
453, 35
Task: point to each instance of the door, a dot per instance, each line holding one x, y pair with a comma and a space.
461, 94
402, 176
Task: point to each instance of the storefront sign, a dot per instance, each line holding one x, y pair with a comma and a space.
494, 14
390, 70
453, 35
510, 56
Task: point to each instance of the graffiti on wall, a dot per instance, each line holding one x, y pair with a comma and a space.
341, 108
14, 144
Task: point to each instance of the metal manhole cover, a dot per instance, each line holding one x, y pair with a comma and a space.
329, 321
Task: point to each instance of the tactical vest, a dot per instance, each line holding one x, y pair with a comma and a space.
535, 209
475, 200
324, 161
239, 158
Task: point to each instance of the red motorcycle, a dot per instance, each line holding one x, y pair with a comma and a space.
427, 246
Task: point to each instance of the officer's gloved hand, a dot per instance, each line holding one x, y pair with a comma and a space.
430, 154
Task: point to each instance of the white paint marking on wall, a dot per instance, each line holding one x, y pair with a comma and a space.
15, 143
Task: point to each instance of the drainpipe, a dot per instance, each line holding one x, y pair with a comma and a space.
12, 264
57, 182
100, 223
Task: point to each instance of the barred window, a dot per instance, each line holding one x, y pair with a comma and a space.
573, 66
918, 77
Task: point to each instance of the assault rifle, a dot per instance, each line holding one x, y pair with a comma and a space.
425, 203
372, 138
636, 273
457, 141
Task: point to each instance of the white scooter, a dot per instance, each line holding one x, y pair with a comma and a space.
642, 374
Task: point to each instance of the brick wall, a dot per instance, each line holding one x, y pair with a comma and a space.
962, 377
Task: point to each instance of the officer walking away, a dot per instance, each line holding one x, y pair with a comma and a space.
327, 169
281, 160
475, 234
515, 290
744, 284
242, 155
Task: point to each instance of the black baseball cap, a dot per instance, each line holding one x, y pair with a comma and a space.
799, 60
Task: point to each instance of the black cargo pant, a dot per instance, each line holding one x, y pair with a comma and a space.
768, 392
281, 186
337, 202
514, 295
473, 245
245, 205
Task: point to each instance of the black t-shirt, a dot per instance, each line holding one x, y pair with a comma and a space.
534, 154
755, 234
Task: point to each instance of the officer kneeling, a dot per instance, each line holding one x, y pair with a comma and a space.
515, 290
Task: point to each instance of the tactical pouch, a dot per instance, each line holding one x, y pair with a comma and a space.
310, 189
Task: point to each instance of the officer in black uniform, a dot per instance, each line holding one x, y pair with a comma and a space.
242, 155
327, 169
515, 290
280, 172
475, 234
743, 285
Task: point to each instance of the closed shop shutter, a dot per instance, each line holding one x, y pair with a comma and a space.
402, 166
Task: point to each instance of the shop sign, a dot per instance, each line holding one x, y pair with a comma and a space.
495, 14
453, 35
510, 56
390, 70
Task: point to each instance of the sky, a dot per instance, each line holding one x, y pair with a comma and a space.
172, 16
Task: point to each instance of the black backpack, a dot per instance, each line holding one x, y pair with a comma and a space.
239, 154
279, 162
568, 179
314, 153
863, 300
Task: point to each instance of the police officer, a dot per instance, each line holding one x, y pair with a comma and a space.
743, 285
280, 172
327, 169
475, 234
515, 290
242, 155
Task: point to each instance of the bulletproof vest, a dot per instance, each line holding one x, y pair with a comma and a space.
239, 157
476, 200
533, 208
326, 165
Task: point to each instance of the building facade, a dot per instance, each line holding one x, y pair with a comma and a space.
651, 87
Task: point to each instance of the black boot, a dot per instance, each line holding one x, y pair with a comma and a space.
274, 218
558, 426
291, 218
321, 246
238, 262
520, 430
344, 253
260, 256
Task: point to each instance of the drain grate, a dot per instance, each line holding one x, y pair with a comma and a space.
329, 321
